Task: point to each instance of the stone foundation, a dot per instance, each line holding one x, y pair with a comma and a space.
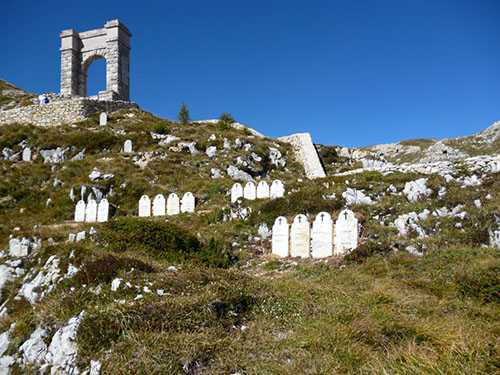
60, 110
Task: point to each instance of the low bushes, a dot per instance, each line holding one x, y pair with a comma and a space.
164, 241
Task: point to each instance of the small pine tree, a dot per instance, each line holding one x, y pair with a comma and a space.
183, 115
225, 120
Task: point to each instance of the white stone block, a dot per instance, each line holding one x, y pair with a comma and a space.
103, 211
80, 211
127, 146
144, 206
280, 237
236, 192
188, 202
300, 237
346, 232
322, 236
91, 211
249, 191
27, 154
159, 205
103, 119
277, 189
173, 204
262, 190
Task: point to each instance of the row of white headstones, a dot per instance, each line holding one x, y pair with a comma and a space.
322, 241
172, 205
277, 190
92, 211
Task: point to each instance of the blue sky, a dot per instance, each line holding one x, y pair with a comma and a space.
351, 73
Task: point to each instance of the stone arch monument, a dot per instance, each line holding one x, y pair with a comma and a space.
79, 50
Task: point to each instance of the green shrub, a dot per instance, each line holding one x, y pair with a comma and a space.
106, 268
366, 250
225, 121
483, 283
163, 240
183, 115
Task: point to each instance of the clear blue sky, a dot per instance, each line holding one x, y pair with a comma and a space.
351, 73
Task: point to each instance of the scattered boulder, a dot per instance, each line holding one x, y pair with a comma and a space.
97, 175
54, 155
237, 174
210, 151
353, 196
216, 173
414, 190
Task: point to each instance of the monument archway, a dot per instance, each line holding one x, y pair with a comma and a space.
79, 50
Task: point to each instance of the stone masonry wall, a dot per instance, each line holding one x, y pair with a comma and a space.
61, 109
306, 154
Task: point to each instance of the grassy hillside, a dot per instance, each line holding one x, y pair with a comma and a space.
201, 294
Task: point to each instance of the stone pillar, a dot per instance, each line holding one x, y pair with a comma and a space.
70, 62
118, 59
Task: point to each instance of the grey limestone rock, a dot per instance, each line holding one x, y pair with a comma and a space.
215, 173
97, 175
276, 158
237, 174
353, 196
414, 190
210, 151
54, 155
79, 156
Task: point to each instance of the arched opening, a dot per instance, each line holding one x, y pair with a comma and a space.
94, 76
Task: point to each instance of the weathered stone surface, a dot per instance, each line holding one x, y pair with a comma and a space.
19, 248
262, 190
144, 206
173, 204
300, 237
60, 110
322, 236
236, 192
215, 173
97, 175
187, 202
249, 191
306, 154
280, 237
210, 151
91, 212
80, 211
237, 174
55, 155
277, 189
264, 231
276, 158
353, 196
103, 211
417, 189
346, 232
34, 349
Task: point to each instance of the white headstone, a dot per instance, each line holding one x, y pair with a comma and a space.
300, 237
144, 206
173, 204
262, 190
249, 191
322, 236
103, 119
127, 146
27, 154
159, 205
103, 211
277, 189
91, 211
187, 202
346, 232
236, 192
80, 211
281, 245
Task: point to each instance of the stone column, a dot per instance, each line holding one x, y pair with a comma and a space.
118, 59
70, 62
